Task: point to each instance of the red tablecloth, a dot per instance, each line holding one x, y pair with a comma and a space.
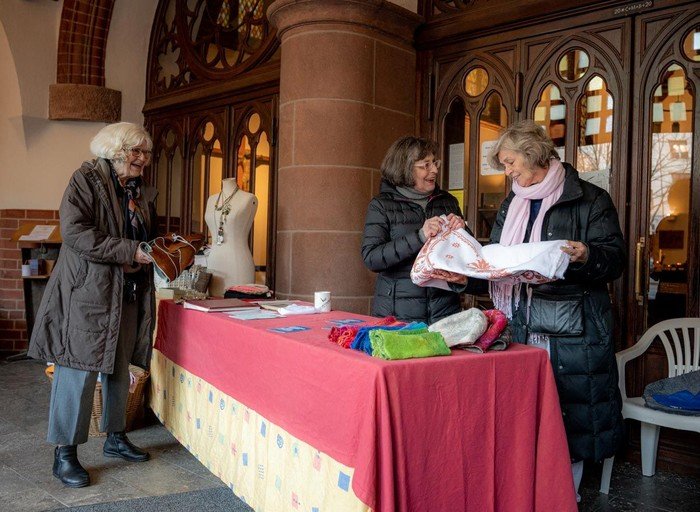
461, 432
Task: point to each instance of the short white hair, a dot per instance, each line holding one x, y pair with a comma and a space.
112, 141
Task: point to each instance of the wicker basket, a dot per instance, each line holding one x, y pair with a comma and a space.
134, 402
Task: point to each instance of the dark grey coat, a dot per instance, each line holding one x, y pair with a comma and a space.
584, 365
390, 245
77, 324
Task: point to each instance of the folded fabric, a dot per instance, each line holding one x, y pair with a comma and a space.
675, 395
501, 343
345, 334
297, 309
248, 291
407, 344
462, 328
458, 252
363, 343
497, 323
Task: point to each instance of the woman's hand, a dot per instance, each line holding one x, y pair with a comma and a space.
455, 222
450, 277
141, 257
431, 227
577, 251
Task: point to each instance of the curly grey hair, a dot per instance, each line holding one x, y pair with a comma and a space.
397, 166
526, 138
113, 141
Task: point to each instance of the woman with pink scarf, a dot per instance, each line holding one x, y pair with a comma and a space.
570, 318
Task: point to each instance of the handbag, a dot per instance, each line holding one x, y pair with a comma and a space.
172, 253
556, 315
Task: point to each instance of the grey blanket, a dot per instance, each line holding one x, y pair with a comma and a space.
688, 382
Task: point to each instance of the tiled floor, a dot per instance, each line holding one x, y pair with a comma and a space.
26, 482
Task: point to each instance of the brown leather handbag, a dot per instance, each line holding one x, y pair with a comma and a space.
172, 253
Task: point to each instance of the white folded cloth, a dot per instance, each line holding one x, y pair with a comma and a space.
459, 252
462, 328
297, 309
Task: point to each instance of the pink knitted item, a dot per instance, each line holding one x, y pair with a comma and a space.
497, 322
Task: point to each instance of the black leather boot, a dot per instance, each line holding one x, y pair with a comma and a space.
67, 468
118, 445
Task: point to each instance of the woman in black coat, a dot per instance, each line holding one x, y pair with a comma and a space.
571, 318
399, 221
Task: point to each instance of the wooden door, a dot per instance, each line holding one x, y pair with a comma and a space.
664, 196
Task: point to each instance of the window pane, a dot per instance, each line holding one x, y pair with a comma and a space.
491, 184
243, 165
669, 205
456, 153
176, 193
198, 172
476, 82
573, 65
594, 144
550, 113
262, 192
691, 45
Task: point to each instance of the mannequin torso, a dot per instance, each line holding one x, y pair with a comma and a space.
230, 260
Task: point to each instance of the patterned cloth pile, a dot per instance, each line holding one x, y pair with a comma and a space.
458, 252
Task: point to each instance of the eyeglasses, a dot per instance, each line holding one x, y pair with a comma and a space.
427, 165
137, 152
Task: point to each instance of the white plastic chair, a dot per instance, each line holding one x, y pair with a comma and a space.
681, 340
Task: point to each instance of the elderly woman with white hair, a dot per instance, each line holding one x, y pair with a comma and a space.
97, 312
570, 318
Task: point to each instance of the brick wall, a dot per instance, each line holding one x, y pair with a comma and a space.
82, 41
13, 328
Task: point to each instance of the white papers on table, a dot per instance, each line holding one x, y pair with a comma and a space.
253, 314
39, 233
296, 309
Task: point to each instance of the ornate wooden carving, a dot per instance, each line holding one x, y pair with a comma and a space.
198, 41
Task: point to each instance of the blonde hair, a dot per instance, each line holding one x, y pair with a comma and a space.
112, 141
528, 139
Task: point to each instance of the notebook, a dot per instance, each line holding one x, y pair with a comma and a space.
216, 305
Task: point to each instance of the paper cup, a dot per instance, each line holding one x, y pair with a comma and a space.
322, 301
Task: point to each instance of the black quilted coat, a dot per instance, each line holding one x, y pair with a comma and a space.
584, 365
389, 247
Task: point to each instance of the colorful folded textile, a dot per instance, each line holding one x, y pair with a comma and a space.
344, 335
407, 344
363, 343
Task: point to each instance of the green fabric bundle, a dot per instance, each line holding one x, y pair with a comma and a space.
407, 344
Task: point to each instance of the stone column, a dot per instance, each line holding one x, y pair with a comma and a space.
347, 91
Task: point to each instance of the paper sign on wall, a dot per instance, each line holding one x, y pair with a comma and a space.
486, 169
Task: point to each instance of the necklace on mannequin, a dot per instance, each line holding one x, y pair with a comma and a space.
225, 209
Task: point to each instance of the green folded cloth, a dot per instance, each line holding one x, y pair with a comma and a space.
407, 344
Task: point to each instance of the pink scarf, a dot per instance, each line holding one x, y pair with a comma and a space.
515, 225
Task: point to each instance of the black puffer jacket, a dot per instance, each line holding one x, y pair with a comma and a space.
584, 365
390, 245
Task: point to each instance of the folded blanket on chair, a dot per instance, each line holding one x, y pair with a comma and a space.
676, 395
407, 344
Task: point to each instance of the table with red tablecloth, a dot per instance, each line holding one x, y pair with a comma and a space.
461, 432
